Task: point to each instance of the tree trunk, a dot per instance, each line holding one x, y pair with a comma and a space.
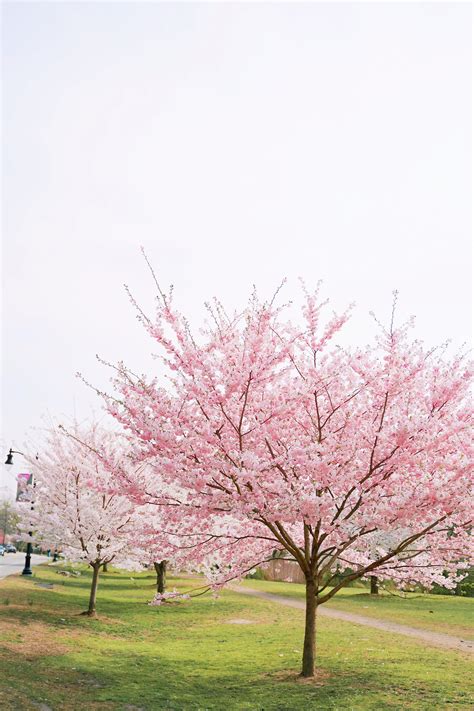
160, 576
95, 580
309, 645
104, 567
374, 586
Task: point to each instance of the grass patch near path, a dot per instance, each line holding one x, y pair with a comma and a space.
191, 656
449, 614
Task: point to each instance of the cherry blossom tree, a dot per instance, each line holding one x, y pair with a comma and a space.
76, 506
276, 438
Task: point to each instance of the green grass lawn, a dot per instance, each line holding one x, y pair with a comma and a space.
440, 613
190, 656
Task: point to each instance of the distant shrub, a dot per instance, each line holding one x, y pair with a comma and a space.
256, 574
340, 575
466, 586
464, 589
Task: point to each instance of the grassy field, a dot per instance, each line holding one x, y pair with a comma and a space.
192, 655
440, 613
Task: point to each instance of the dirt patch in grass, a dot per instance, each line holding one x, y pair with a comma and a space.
240, 621
99, 617
320, 677
34, 640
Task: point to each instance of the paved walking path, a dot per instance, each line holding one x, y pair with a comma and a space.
12, 563
435, 639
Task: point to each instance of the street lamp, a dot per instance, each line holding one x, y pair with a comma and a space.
9, 459
29, 546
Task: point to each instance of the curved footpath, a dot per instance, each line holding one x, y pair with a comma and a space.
435, 639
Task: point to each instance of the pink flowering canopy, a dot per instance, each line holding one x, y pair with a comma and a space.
268, 436
269, 439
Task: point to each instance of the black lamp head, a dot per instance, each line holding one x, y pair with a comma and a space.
9, 459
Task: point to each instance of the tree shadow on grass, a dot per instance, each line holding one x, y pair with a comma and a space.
187, 657
149, 681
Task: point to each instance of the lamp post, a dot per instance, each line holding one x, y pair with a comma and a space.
29, 546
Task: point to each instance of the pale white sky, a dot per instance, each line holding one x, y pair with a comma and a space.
239, 143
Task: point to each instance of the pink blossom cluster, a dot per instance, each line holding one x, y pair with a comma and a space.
269, 436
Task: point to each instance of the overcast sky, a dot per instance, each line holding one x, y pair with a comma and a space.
239, 143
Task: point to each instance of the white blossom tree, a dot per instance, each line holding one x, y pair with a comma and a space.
77, 506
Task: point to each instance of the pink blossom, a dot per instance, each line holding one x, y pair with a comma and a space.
270, 437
